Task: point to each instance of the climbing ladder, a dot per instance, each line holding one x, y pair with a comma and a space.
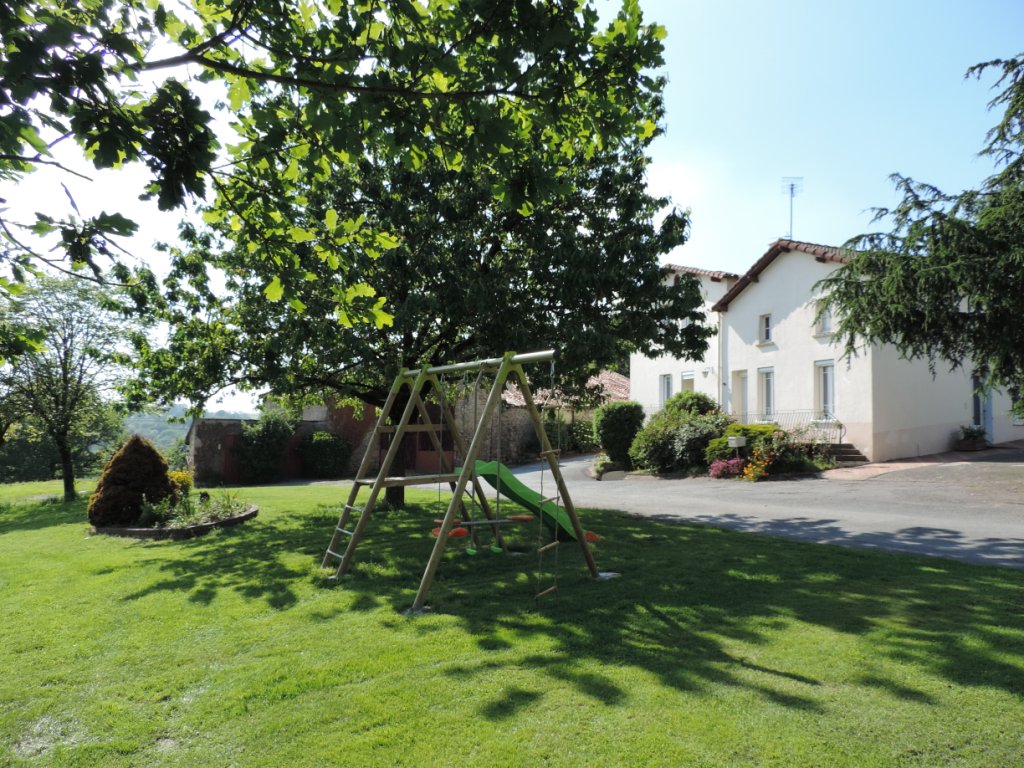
511, 365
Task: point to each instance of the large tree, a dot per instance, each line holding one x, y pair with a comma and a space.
64, 388
465, 278
946, 283
311, 88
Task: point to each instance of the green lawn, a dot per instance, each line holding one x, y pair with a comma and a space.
713, 649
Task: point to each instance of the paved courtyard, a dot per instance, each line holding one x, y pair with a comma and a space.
964, 506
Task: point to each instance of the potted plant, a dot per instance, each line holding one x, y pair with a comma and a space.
972, 438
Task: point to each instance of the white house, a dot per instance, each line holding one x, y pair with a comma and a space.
772, 361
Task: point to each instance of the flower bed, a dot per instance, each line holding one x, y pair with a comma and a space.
183, 532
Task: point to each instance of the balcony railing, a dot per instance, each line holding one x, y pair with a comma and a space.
808, 426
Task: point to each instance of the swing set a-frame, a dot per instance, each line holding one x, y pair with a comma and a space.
461, 479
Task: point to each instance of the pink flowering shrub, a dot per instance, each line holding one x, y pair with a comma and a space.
727, 467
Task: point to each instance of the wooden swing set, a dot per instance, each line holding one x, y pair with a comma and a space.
461, 479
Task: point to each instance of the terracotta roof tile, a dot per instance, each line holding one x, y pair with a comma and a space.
714, 275
614, 387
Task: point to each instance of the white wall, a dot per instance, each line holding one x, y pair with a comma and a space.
645, 373
918, 413
785, 291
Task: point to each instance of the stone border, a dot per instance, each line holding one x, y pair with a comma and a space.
180, 533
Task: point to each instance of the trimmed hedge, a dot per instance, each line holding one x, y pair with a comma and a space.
615, 426
262, 447
324, 456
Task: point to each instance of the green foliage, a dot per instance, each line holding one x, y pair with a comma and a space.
675, 440
135, 476
28, 453
526, 92
65, 389
615, 426
261, 448
692, 438
324, 455
575, 436
181, 482
691, 402
582, 436
945, 282
468, 279
718, 448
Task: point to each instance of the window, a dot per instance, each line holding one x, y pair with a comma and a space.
766, 392
666, 387
823, 325
686, 382
825, 390
764, 329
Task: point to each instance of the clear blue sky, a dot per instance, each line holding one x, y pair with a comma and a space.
841, 93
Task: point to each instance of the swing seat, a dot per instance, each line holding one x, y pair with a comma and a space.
520, 518
591, 537
454, 533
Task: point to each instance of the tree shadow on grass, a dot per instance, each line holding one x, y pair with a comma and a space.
690, 595
689, 600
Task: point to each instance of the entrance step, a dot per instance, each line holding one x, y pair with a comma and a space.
847, 455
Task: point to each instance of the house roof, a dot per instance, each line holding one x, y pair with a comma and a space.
715, 276
821, 253
612, 387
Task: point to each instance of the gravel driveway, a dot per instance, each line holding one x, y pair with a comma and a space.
964, 506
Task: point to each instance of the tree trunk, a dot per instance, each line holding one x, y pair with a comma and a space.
67, 471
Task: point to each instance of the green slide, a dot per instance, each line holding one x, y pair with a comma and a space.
552, 515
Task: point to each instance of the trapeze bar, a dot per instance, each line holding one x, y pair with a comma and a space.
494, 362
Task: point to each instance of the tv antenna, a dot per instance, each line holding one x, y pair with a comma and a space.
792, 186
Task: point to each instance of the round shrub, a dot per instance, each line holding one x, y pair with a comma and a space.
324, 456
676, 439
692, 402
692, 438
615, 426
135, 476
653, 448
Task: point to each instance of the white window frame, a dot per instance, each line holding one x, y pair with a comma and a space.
665, 387
823, 323
764, 329
766, 393
686, 376
825, 390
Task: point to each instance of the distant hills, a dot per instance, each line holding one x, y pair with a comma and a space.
164, 434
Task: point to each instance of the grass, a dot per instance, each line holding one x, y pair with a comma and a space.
713, 649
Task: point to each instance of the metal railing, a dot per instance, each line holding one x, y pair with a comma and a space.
808, 426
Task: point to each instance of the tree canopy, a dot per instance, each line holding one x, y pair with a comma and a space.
466, 278
310, 89
946, 283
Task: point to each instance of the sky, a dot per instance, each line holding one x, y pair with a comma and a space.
842, 94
